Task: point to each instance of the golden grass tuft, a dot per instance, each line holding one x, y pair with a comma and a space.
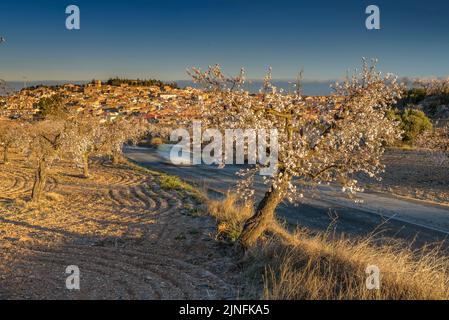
306, 266
230, 215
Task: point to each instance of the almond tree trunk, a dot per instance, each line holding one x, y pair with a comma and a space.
40, 180
86, 165
5, 154
264, 215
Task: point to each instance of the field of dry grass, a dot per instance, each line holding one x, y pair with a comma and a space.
323, 266
131, 237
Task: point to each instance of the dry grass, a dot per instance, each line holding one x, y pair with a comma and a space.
230, 215
305, 266
322, 267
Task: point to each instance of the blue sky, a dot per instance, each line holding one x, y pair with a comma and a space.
160, 39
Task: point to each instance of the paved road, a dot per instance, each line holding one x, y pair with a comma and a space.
416, 222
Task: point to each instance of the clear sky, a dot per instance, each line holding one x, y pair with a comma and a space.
160, 39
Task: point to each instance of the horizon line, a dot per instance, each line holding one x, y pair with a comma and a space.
168, 81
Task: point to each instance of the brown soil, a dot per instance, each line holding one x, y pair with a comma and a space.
130, 238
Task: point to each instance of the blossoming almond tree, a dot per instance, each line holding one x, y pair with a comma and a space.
77, 136
116, 133
434, 86
90, 135
46, 140
437, 141
12, 134
322, 142
86, 135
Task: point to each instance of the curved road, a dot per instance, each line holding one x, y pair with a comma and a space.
388, 217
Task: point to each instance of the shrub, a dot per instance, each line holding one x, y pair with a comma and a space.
52, 107
413, 122
415, 95
171, 183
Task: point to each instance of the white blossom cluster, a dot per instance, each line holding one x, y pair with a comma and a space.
434, 86
436, 141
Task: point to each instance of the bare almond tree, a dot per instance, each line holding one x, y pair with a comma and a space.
324, 142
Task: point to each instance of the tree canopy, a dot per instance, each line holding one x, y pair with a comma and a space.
140, 82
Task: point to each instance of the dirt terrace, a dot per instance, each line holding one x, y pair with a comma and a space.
130, 238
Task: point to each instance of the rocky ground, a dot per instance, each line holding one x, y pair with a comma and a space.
130, 238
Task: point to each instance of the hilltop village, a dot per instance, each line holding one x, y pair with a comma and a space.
154, 102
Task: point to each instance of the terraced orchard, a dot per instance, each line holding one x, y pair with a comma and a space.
130, 238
